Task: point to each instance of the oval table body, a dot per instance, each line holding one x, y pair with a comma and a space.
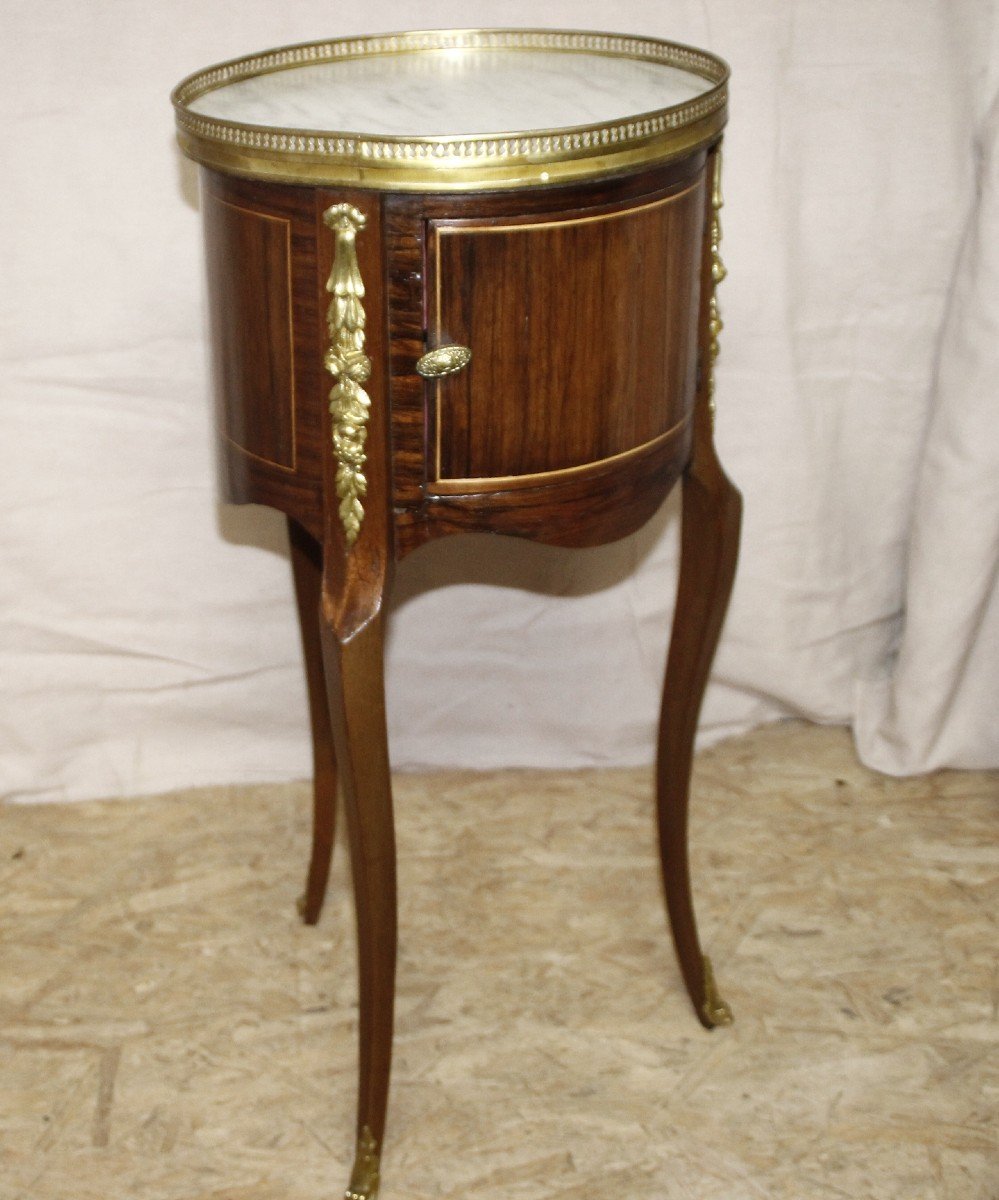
464, 329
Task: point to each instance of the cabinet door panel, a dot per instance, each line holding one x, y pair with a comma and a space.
576, 354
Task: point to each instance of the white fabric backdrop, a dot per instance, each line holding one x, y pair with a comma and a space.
148, 638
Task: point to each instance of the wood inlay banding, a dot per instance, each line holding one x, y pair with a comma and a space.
253, 340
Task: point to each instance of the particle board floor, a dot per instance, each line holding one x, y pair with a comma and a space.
168, 1031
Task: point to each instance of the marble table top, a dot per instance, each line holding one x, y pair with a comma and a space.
453, 92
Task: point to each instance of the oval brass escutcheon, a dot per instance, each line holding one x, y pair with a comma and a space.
445, 360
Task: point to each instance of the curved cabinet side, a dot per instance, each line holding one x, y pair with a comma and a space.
263, 310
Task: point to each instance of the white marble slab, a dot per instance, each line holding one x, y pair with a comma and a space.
453, 93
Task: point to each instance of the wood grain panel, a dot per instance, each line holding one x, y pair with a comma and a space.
270, 385
408, 267
576, 355
249, 270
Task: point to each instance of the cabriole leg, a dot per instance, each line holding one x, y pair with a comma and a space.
307, 569
712, 510
355, 679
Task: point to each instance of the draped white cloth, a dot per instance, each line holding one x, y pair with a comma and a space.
147, 635
934, 703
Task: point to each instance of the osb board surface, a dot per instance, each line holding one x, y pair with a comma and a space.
168, 1030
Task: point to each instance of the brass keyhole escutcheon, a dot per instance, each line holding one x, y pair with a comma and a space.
445, 360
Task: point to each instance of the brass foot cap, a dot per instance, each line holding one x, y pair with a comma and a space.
715, 1010
364, 1178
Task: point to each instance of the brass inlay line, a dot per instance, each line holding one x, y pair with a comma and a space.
506, 483
469, 225
268, 462
350, 404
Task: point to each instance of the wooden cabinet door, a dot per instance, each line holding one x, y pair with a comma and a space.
583, 332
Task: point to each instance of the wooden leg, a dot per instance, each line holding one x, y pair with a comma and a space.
712, 511
355, 680
307, 568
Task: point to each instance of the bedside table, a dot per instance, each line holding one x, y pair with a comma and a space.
464, 280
